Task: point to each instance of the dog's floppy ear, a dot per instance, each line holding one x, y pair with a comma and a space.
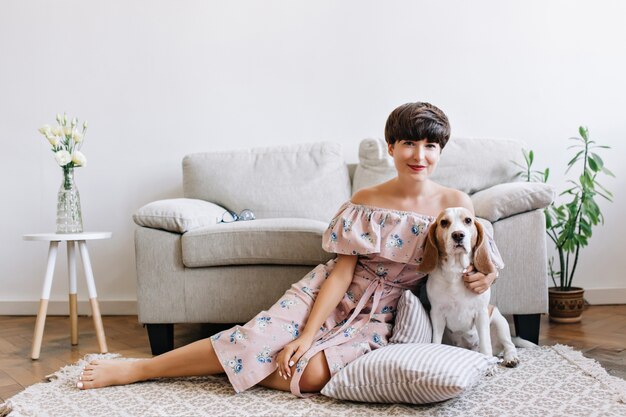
482, 260
430, 257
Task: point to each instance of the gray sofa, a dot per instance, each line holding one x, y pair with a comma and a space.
192, 268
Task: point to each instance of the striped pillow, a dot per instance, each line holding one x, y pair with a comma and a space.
412, 321
416, 373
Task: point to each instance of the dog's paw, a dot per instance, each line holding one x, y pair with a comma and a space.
510, 362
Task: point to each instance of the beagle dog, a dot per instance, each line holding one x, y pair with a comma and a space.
455, 241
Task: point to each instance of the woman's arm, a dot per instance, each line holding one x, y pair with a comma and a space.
329, 296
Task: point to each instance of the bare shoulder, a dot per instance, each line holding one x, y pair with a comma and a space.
371, 195
456, 198
365, 196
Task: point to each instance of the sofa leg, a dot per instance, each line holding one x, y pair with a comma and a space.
161, 337
527, 326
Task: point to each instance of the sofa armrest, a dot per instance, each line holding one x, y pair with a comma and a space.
506, 200
178, 215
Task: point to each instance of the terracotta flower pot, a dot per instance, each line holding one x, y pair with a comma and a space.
566, 306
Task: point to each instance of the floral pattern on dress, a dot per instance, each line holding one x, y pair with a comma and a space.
263, 321
416, 229
367, 237
235, 364
387, 309
381, 271
378, 340
292, 329
264, 355
395, 241
237, 336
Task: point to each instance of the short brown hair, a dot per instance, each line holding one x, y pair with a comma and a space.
417, 121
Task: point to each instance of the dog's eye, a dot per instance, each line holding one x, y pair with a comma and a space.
444, 223
468, 220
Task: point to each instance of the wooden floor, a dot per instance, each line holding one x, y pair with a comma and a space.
601, 335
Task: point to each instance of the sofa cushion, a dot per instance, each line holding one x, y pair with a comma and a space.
488, 160
178, 214
255, 242
298, 181
506, 200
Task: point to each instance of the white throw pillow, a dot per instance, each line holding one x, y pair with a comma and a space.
375, 165
412, 321
416, 373
506, 200
178, 214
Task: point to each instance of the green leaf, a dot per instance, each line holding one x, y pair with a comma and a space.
548, 220
593, 164
606, 197
597, 159
607, 172
584, 132
531, 157
526, 157
585, 228
585, 180
575, 158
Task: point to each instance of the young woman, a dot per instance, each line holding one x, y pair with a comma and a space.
340, 310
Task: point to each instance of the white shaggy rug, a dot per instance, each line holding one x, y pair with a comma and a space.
550, 381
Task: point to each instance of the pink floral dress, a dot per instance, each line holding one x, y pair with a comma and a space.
389, 246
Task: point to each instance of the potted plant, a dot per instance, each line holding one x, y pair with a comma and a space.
569, 224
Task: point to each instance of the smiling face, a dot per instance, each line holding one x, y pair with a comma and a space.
416, 158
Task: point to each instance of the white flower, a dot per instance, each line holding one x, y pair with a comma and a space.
67, 130
57, 131
45, 130
54, 140
77, 136
63, 157
58, 118
74, 121
79, 159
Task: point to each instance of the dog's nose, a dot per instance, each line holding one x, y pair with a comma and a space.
458, 236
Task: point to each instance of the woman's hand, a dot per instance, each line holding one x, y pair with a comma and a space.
291, 354
477, 281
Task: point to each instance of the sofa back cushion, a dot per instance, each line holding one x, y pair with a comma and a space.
467, 164
298, 181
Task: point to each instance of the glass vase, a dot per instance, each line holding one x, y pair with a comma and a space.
69, 216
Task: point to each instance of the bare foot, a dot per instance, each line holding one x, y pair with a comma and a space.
104, 373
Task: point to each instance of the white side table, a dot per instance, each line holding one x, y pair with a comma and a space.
71, 239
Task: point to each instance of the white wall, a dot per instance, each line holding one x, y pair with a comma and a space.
160, 79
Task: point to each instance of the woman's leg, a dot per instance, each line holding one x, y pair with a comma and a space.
315, 376
195, 359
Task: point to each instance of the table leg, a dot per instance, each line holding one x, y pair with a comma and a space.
93, 296
43, 304
71, 267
